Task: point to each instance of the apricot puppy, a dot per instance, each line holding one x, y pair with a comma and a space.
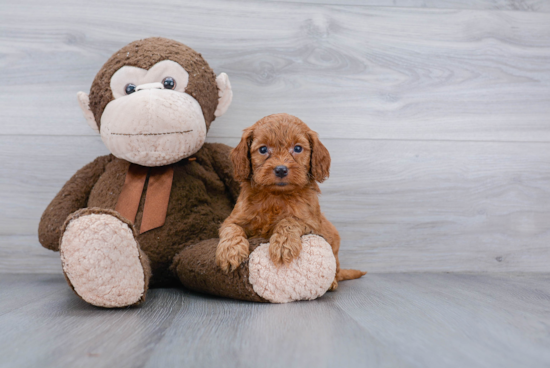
279, 162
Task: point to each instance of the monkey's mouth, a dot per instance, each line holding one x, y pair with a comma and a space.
167, 133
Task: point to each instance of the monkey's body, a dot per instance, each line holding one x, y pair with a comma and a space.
202, 196
149, 213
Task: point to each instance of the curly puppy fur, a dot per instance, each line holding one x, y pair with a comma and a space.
278, 205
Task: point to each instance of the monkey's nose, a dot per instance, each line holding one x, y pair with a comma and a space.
156, 85
281, 171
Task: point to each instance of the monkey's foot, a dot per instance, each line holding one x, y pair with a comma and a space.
102, 260
307, 277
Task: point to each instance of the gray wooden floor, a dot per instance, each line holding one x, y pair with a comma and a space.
383, 320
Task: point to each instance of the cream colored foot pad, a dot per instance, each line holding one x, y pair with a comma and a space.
307, 278
101, 260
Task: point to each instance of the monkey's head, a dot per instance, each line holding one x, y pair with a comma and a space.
154, 100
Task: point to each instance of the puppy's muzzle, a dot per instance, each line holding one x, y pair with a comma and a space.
281, 171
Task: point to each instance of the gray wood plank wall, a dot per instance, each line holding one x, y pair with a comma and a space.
517, 5
437, 115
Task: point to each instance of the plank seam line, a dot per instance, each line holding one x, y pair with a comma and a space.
419, 8
322, 138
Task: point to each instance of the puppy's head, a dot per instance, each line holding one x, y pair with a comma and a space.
280, 153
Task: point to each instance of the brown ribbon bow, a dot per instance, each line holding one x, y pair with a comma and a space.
157, 197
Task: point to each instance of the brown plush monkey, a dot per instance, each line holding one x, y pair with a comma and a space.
148, 214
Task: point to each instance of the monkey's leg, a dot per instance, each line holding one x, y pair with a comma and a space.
257, 279
102, 260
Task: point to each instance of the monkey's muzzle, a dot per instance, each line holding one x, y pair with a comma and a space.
153, 127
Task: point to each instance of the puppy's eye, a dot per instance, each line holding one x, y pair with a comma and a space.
130, 88
298, 149
169, 83
263, 150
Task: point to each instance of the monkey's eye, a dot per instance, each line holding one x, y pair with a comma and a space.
263, 150
130, 88
169, 83
298, 149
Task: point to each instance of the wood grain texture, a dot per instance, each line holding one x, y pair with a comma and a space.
399, 205
437, 119
454, 320
23, 254
362, 72
242, 334
61, 330
510, 5
383, 320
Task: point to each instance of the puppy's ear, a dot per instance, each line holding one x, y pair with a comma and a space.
320, 158
240, 156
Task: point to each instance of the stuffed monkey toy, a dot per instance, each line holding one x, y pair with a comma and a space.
149, 213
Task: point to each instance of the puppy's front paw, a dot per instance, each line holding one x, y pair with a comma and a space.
231, 252
284, 248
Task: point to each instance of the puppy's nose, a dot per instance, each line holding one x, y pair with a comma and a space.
281, 171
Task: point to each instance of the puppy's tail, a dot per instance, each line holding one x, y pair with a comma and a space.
349, 274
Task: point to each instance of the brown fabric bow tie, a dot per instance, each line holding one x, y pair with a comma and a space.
156, 199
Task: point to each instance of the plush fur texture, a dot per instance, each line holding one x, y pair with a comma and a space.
117, 280
307, 278
157, 115
280, 208
197, 270
72, 197
202, 196
257, 278
146, 53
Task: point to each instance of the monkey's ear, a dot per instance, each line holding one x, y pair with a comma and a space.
84, 102
240, 157
320, 158
225, 94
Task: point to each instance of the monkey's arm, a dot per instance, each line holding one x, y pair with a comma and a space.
221, 163
72, 197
